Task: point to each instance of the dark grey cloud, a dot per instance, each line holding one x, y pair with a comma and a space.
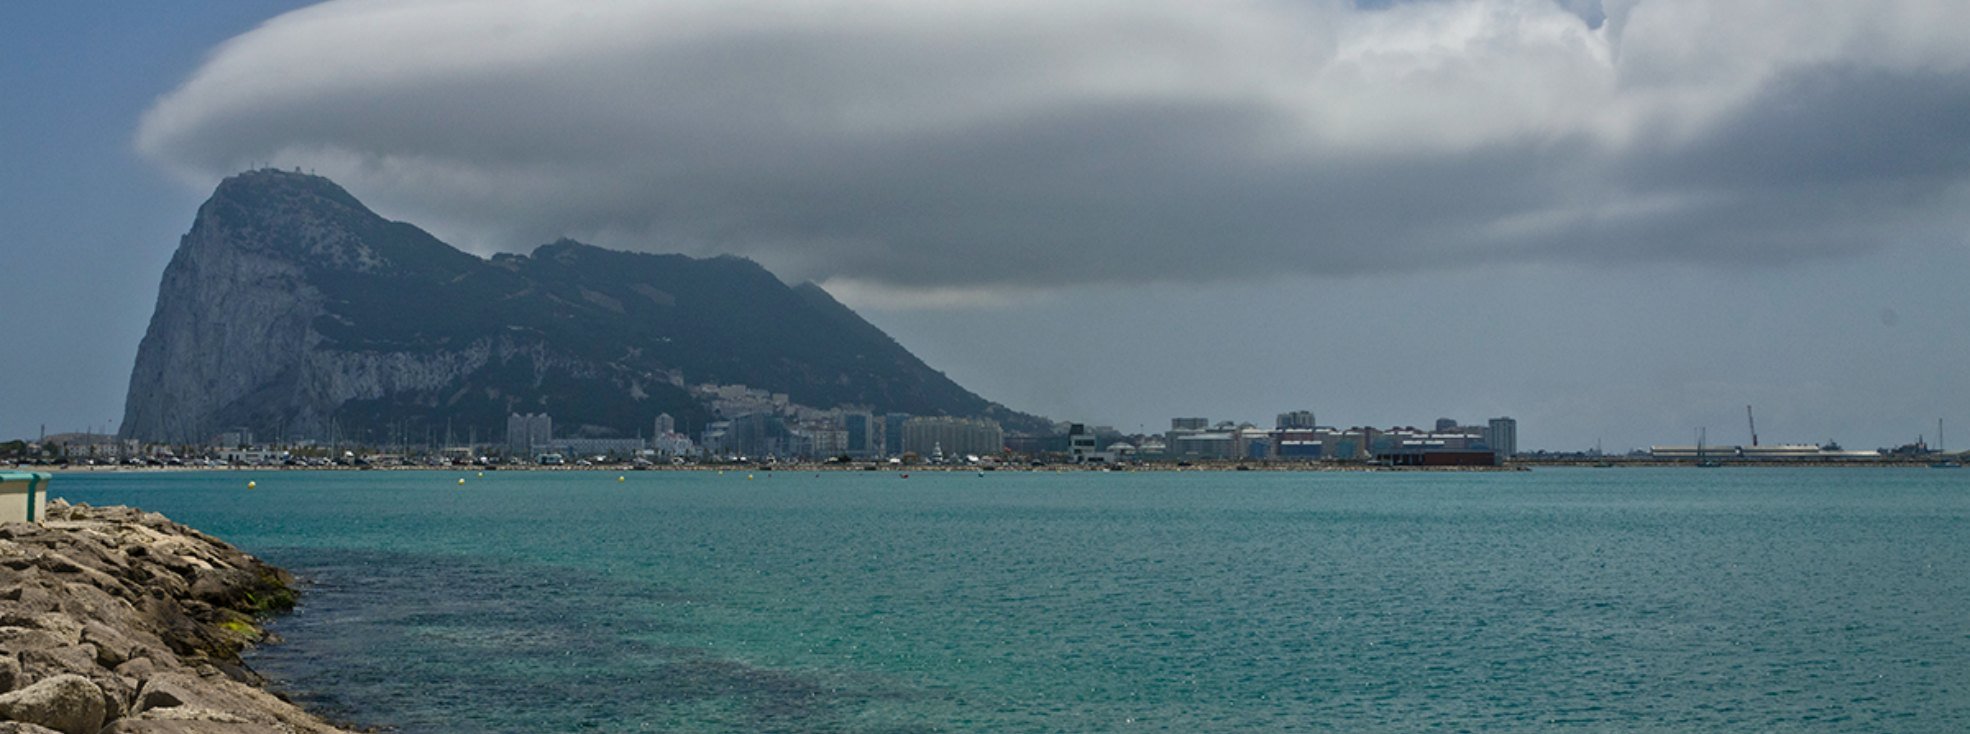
1831, 124
957, 149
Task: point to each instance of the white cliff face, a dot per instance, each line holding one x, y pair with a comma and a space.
329, 378
230, 321
233, 340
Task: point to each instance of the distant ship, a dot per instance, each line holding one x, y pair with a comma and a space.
1769, 452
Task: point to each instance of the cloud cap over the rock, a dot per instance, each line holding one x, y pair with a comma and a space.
973, 144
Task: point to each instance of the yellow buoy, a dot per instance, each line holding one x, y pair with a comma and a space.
461, 480
748, 476
619, 478
482, 474
250, 485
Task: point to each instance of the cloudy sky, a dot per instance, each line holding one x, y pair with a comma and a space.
1616, 221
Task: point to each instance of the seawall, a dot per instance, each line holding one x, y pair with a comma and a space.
117, 620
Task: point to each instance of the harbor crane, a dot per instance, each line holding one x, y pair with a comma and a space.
1754, 424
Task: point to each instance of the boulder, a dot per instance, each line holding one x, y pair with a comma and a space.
22, 727
65, 703
162, 692
221, 587
137, 668
50, 661
192, 726
112, 647
214, 699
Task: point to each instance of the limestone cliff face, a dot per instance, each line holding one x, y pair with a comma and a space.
232, 320
293, 311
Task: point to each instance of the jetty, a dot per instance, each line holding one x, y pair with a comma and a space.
119, 621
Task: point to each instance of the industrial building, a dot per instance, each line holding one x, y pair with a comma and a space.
1297, 439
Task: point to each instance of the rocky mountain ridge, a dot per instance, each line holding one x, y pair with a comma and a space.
293, 311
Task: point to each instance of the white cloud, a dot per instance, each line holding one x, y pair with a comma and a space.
950, 148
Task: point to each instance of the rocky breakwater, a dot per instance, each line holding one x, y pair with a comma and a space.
118, 620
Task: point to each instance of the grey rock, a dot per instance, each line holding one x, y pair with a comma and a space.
66, 703
162, 693
21, 727
29, 638
137, 668
217, 699
194, 726
112, 647
118, 693
92, 633
51, 661
10, 673
60, 625
220, 586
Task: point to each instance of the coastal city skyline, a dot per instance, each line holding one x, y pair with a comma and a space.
1663, 267
1097, 366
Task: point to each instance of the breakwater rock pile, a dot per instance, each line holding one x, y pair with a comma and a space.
122, 621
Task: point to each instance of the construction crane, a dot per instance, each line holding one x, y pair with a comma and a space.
1754, 424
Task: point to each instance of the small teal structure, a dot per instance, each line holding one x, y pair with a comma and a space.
23, 496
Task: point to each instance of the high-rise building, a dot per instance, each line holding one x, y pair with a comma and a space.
666, 425
954, 436
892, 437
756, 435
1446, 425
865, 434
1080, 443
1189, 424
529, 434
1502, 435
1296, 419
824, 442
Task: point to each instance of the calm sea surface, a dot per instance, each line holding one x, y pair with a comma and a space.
1624, 600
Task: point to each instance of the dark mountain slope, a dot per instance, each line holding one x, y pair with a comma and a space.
291, 310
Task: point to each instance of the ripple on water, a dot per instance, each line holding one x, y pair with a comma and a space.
1818, 600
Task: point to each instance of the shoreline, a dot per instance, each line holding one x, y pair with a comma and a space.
122, 621
1158, 467
798, 468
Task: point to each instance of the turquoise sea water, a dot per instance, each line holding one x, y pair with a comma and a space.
1815, 600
